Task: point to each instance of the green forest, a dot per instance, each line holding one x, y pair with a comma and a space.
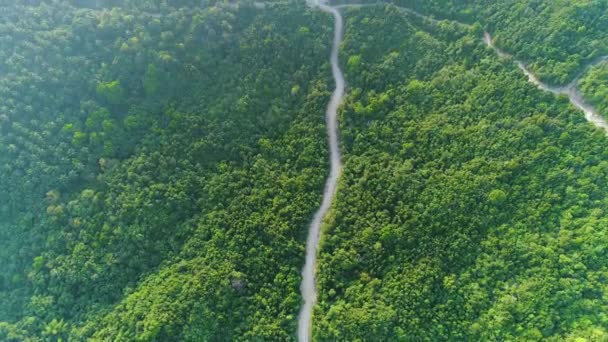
161, 161
594, 87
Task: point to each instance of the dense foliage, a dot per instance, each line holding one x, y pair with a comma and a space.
159, 169
160, 162
472, 205
557, 38
594, 87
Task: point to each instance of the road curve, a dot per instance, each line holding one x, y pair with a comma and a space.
570, 90
308, 286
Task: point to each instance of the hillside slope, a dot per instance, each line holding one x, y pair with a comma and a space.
472, 205
160, 162
159, 169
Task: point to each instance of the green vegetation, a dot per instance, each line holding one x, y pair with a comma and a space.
594, 86
557, 38
472, 206
158, 174
160, 162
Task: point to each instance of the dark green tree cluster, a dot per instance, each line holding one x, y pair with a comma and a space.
472, 205
594, 87
160, 162
159, 166
556, 38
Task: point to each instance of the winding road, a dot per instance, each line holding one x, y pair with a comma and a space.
308, 286
570, 90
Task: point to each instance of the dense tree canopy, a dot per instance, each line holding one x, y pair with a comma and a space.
472, 205
594, 86
160, 162
158, 170
557, 38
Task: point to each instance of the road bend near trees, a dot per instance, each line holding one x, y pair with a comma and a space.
570, 90
308, 286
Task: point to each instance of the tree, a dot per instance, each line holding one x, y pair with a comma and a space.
111, 92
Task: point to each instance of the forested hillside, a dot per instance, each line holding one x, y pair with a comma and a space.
594, 87
160, 162
158, 169
557, 38
472, 204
